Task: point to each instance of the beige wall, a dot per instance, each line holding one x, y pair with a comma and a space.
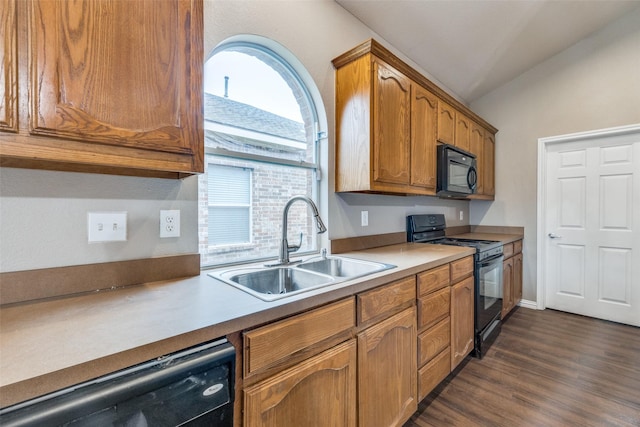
43, 213
593, 85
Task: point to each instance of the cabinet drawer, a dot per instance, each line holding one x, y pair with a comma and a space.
431, 374
433, 341
433, 280
271, 344
433, 308
461, 269
517, 247
507, 250
386, 300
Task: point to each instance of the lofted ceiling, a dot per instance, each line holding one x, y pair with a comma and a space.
475, 46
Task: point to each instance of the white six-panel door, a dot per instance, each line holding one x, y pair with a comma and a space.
592, 226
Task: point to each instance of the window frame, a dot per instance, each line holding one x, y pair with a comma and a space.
316, 138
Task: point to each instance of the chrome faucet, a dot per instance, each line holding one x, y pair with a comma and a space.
285, 248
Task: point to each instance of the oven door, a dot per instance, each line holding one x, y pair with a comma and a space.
489, 291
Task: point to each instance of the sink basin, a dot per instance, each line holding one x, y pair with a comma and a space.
273, 283
343, 267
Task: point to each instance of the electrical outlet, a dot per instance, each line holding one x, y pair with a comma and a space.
461, 215
107, 226
364, 218
170, 223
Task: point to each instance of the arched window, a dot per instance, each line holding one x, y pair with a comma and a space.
261, 148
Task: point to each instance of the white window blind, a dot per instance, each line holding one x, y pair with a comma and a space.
229, 205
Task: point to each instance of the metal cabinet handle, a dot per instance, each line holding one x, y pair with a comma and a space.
554, 236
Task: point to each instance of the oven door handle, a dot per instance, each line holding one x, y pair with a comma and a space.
487, 262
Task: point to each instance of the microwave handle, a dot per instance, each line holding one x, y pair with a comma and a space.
472, 178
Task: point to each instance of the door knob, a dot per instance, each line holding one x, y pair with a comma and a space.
554, 236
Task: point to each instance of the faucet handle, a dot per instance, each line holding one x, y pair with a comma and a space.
293, 248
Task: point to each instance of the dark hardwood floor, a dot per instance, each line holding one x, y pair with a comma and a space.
547, 368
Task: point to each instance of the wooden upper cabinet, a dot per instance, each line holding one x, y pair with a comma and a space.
389, 120
476, 146
424, 125
488, 171
446, 123
112, 84
392, 121
463, 132
8, 67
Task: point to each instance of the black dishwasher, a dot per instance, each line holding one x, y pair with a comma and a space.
194, 387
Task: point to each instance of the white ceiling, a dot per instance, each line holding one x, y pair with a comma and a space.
475, 46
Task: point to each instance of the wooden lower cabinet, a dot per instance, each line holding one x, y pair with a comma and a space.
317, 392
431, 374
507, 287
517, 279
462, 328
387, 366
511, 277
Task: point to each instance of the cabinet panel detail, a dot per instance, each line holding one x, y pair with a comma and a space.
431, 374
8, 67
463, 132
385, 300
433, 308
424, 123
291, 398
270, 344
433, 280
115, 48
461, 269
433, 341
387, 366
392, 121
446, 123
462, 328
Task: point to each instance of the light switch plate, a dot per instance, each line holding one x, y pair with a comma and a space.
107, 226
364, 218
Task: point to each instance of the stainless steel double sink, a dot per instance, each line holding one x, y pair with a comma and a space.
272, 283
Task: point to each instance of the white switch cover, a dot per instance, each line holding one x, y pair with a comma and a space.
364, 218
170, 223
461, 215
107, 226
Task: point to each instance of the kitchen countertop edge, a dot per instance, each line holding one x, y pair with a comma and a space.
31, 326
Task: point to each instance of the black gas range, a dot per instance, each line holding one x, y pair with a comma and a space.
431, 229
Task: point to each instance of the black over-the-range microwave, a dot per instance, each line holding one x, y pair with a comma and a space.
457, 174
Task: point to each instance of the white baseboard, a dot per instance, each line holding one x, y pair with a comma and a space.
528, 304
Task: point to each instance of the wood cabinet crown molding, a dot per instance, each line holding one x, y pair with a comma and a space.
377, 49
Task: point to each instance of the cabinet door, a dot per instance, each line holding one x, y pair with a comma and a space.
489, 164
8, 67
517, 279
424, 123
120, 73
392, 121
463, 131
446, 123
387, 371
317, 392
477, 147
507, 281
462, 332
